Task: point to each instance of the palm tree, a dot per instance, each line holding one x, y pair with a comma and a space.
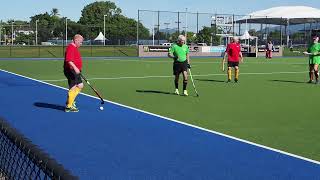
55, 12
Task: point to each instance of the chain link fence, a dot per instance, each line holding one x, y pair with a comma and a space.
42, 39
58, 51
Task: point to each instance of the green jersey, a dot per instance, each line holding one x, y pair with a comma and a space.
314, 48
179, 51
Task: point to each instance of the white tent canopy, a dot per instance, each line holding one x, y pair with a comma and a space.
100, 37
283, 15
246, 35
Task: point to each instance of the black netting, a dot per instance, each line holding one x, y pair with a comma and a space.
20, 159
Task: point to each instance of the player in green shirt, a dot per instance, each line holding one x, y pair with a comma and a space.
314, 59
179, 52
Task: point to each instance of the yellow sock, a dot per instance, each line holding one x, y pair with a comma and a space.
77, 91
71, 97
229, 74
236, 72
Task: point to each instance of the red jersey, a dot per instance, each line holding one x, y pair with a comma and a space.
233, 50
72, 54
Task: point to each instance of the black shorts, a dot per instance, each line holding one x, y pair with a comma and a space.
179, 67
73, 77
233, 64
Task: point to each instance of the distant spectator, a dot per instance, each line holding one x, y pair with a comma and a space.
269, 49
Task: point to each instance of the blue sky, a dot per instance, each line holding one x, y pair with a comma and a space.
23, 9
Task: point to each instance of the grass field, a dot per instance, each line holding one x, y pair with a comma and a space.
271, 105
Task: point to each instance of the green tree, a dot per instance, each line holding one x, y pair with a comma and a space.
207, 35
52, 26
298, 36
160, 35
253, 32
46, 26
173, 37
54, 12
18, 28
274, 35
118, 27
22, 38
191, 37
94, 12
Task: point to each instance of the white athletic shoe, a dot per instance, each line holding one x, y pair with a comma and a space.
185, 93
176, 92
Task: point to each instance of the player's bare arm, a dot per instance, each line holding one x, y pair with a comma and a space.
74, 67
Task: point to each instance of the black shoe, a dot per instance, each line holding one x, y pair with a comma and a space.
310, 81
229, 80
235, 80
317, 82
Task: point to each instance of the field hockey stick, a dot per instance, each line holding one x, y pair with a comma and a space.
223, 62
307, 53
97, 93
194, 86
295, 51
299, 52
223, 68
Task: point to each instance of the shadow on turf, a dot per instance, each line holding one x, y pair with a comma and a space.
155, 92
49, 106
288, 81
210, 80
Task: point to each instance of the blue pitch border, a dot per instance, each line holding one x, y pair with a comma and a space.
125, 143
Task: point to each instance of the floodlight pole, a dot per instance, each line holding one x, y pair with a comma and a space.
66, 30
158, 27
37, 31
288, 32
186, 25
138, 27
167, 29
197, 22
153, 33
178, 22
12, 33
5, 36
153, 28
104, 29
0, 30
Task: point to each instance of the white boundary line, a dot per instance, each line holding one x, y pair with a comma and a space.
186, 124
214, 61
199, 75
